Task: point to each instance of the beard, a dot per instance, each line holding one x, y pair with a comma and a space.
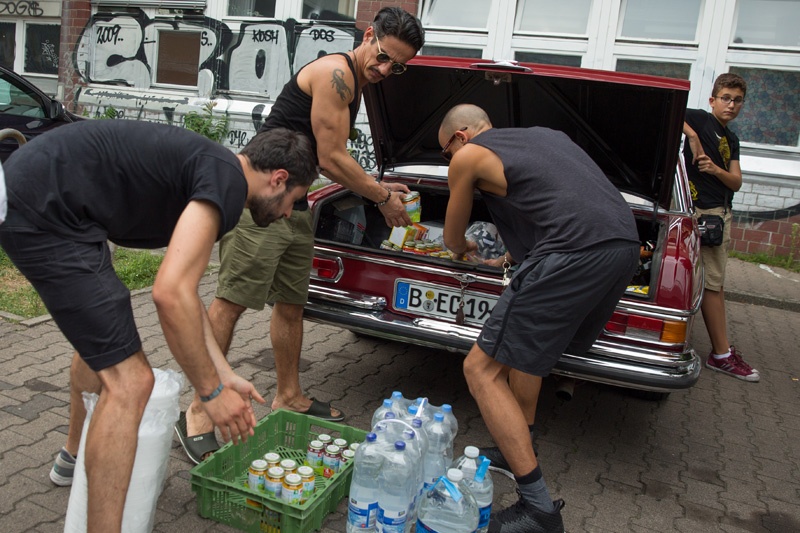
265, 209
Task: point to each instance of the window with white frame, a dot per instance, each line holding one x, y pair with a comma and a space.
178, 58
548, 17
768, 22
42, 44
676, 20
251, 8
343, 10
468, 14
8, 44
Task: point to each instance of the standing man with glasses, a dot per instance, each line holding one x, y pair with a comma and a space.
711, 153
273, 265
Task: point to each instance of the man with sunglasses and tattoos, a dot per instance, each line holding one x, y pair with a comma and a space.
273, 264
576, 241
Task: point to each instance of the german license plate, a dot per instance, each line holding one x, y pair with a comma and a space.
428, 299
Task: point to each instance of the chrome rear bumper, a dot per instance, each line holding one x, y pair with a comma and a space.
609, 362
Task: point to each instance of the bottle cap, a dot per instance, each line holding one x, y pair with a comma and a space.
472, 452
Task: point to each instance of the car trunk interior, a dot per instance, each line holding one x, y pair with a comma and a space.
348, 221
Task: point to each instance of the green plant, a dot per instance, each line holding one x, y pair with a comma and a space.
767, 259
205, 124
793, 247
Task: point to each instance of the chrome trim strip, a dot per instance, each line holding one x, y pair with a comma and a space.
393, 263
348, 298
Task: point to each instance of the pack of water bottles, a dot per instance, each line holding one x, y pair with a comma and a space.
405, 477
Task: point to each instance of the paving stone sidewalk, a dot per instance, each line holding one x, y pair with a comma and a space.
723, 456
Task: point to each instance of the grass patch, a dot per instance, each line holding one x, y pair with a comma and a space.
136, 268
770, 260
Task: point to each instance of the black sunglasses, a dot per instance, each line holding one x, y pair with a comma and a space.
447, 155
383, 57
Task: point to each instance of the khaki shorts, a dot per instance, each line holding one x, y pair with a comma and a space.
716, 257
272, 264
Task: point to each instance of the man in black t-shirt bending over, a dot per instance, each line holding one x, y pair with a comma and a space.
140, 185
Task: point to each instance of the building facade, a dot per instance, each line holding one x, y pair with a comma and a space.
159, 59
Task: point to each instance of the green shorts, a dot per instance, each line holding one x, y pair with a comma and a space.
272, 264
716, 257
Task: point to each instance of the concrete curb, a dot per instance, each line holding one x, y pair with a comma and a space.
755, 299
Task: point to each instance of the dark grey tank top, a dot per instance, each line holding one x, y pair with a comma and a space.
558, 199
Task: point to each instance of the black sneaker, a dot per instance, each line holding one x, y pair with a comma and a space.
523, 517
498, 462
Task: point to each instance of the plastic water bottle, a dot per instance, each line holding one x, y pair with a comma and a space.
437, 460
401, 401
447, 409
468, 463
482, 489
362, 512
395, 484
449, 507
380, 413
416, 447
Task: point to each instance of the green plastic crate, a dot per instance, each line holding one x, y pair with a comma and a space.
220, 482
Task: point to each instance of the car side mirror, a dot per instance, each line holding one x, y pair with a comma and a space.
56, 108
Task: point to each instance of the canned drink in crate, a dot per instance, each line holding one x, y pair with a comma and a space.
292, 489
274, 482
330, 461
325, 439
289, 466
314, 455
272, 459
341, 443
354, 446
348, 455
256, 475
309, 479
413, 205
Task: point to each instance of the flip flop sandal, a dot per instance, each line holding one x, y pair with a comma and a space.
197, 446
323, 410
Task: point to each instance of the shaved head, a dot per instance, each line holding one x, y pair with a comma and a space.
463, 115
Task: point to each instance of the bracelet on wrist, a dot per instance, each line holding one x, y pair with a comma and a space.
388, 197
213, 395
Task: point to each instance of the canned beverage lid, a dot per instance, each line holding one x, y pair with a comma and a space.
332, 449
305, 471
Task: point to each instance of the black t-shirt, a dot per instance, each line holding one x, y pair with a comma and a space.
557, 198
292, 110
722, 146
122, 180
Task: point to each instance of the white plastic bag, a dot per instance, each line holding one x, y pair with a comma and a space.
150, 465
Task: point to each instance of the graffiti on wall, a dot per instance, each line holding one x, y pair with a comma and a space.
21, 7
251, 57
243, 64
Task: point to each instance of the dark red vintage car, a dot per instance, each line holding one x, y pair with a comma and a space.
630, 125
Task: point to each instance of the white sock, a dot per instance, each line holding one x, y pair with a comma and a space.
722, 355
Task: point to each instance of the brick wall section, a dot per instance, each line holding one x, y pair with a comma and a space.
764, 218
367, 10
752, 235
75, 15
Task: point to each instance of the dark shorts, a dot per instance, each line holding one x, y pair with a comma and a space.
80, 289
557, 304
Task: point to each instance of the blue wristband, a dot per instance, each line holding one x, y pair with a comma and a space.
212, 395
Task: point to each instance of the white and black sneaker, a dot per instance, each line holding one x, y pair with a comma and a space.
523, 517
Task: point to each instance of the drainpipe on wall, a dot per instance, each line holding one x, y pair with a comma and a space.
75, 15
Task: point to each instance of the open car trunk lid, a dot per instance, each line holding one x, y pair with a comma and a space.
630, 125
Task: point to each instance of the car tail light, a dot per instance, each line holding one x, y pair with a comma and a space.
327, 268
647, 328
